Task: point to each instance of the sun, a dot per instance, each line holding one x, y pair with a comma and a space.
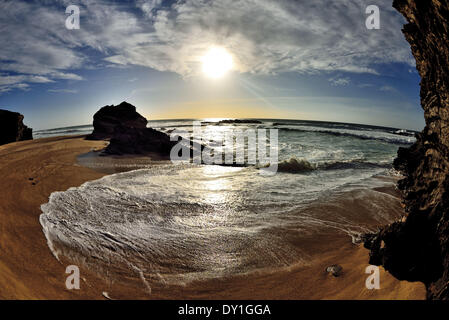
216, 62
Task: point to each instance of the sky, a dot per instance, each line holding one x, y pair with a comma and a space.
313, 60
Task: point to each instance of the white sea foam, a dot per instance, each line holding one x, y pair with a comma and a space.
178, 223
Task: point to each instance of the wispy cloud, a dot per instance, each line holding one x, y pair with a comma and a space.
339, 81
264, 36
9, 80
8, 83
21, 86
388, 89
63, 90
365, 85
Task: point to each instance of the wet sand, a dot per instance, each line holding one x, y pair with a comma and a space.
32, 170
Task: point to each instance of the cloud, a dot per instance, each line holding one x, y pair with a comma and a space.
388, 89
339, 81
7, 82
7, 88
365, 85
264, 36
35, 38
66, 76
268, 36
63, 90
35, 48
149, 5
10, 80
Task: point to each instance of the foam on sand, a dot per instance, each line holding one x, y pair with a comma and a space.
182, 223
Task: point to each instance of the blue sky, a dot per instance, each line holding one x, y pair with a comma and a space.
306, 60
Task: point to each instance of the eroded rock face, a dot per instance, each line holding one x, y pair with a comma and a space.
110, 117
12, 128
417, 248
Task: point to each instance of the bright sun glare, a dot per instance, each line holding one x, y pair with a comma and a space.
216, 62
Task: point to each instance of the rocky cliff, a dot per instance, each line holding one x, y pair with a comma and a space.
417, 248
12, 128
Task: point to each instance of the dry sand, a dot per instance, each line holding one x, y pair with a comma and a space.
28, 270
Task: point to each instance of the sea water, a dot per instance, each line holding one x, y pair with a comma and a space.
188, 222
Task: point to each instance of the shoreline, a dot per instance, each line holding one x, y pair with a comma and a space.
28, 270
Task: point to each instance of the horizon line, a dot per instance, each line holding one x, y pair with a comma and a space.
244, 118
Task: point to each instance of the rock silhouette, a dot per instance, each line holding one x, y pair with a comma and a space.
110, 117
129, 140
12, 128
127, 132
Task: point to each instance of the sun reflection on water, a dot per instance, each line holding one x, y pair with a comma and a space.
216, 184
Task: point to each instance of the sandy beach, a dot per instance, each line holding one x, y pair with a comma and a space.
32, 170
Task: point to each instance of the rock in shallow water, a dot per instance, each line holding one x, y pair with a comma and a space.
139, 141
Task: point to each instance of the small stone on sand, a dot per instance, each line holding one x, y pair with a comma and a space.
335, 270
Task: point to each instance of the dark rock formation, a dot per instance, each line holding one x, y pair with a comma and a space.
110, 117
12, 128
417, 247
128, 140
126, 129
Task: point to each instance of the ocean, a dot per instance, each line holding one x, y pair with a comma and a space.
178, 223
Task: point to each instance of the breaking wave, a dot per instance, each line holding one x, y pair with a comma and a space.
358, 134
294, 165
